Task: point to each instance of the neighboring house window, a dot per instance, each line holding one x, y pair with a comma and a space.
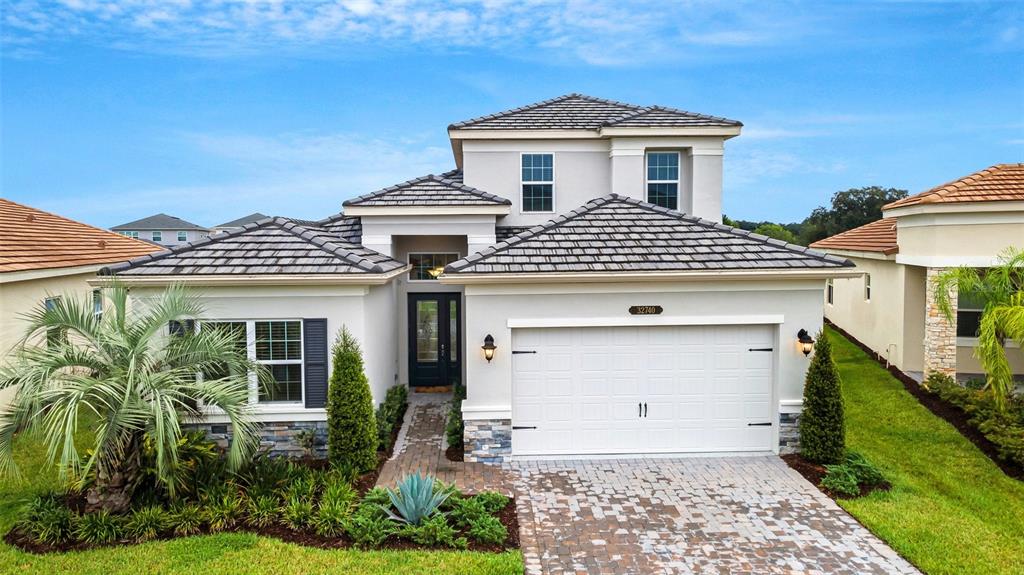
968, 315
663, 179
829, 291
279, 347
97, 303
54, 335
538, 183
176, 327
867, 287
426, 267
182, 236
134, 235
157, 236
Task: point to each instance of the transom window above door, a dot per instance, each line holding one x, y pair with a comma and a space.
663, 179
538, 179
426, 267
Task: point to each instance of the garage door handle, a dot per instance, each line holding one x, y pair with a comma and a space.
765, 424
514, 427
760, 349
645, 409
517, 352
640, 409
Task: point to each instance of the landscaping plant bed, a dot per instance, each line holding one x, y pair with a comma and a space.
455, 453
815, 473
953, 414
308, 538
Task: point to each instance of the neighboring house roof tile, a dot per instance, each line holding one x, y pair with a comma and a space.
620, 234
999, 183
32, 239
581, 112
429, 190
271, 246
251, 218
159, 222
878, 236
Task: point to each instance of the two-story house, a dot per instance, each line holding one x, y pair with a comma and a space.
571, 270
162, 229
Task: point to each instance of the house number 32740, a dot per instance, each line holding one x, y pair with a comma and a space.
645, 309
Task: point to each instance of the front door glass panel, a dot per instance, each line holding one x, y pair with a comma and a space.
426, 331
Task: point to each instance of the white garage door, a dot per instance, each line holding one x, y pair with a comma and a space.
620, 390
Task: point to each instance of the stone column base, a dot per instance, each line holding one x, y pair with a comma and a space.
789, 433
488, 440
276, 438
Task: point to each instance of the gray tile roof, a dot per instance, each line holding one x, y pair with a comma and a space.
251, 218
580, 112
502, 233
621, 234
348, 228
272, 246
160, 222
429, 190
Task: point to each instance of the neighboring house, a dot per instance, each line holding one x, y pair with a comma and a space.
163, 229
611, 321
891, 309
44, 256
236, 224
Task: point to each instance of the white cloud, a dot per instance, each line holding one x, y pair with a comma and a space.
760, 165
599, 32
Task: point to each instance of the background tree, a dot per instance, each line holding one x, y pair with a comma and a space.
822, 425
1001, 288
132, 383
351, 427
850, 209
776, 231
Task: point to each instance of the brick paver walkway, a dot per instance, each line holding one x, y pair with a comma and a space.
682, 515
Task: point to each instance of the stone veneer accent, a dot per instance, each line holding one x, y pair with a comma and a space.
939, 333
276, 438
789, 433
488, 440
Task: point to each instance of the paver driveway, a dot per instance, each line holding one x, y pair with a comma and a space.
686, 515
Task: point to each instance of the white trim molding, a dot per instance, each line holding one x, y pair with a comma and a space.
27, 275
479, 412
495, 209
948, 261
584, 277
791, 405
645, 320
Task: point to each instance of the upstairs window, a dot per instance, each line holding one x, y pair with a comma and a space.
663, 179
426, 267
157, 236
538, 183
182, 236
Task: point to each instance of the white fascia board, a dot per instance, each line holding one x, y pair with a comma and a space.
791, 405
954, 207
645, 320
927, 219
496, 209
480, 412
724, 131
267, 414
252, 280
29, 275
858, 254
948, 261
576, 277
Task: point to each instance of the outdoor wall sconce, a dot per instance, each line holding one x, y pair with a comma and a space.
806, 341
488, 348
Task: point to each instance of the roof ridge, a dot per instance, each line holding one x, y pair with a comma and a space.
535, 105
649, 109
338, 247
428, 178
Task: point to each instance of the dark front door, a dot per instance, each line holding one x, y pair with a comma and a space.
434, 320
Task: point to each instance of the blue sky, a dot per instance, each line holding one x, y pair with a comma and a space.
210, 110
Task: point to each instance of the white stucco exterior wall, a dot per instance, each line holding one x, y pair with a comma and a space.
793, 304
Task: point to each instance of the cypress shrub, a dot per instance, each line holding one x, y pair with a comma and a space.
351, 427
822, 428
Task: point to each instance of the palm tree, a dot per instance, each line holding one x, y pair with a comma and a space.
134, 383
1001, 287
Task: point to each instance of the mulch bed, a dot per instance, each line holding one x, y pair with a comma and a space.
455, 453
815, 472
956, 417
507, 516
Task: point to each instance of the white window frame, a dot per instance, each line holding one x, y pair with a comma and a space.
250, 352
156, 236
867, 288
830, 291
678, 181
182, 236
408, 260
133, 235
522, 203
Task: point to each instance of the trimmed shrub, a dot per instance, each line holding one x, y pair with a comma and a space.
864, 470
351, 427
369, 527
390, 413
841, 479
492, 501
464, 512
822, 429
432, 532
455, 426
97, 528
1003, 427
488, 530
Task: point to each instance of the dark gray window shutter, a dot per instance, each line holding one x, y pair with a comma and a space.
314, 341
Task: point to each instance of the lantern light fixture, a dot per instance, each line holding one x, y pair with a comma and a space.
489, 348
806, 341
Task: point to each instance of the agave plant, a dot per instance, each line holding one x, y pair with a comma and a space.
416, 499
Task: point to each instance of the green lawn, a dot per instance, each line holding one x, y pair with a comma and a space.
950, 509
228, 553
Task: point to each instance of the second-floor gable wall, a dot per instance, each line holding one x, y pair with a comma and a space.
588, 168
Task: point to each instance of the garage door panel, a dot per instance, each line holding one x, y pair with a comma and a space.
585, 387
